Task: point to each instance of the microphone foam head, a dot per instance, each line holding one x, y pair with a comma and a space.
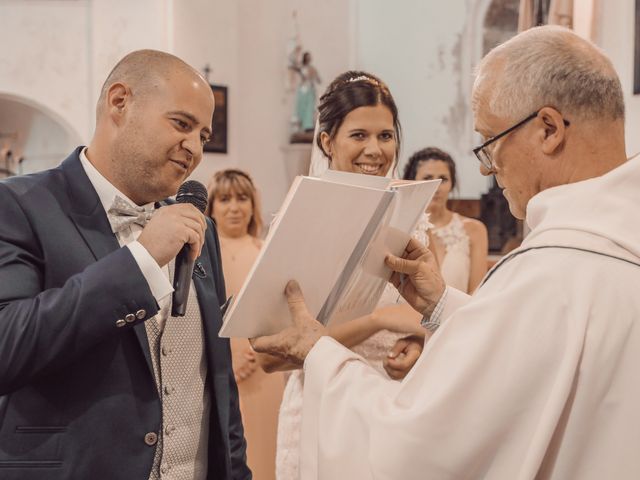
193, 192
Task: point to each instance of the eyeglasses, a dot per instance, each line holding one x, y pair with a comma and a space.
484, 156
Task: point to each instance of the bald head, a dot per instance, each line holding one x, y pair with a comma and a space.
549, 66
153, 119
141, 70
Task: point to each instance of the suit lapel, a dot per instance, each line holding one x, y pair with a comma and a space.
204, 282
89, 217
207, 299
91, 228
86, 211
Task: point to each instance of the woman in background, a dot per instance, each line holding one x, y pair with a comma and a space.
358, 132
459, 243
235, 207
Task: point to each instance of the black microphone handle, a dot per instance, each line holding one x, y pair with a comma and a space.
181, 282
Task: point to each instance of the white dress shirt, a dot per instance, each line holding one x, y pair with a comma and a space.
157, 277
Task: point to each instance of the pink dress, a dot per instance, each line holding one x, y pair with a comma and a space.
260, 393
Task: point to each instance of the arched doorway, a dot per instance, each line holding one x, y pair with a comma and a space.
32, 137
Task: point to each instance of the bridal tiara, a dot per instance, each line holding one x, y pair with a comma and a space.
359, 79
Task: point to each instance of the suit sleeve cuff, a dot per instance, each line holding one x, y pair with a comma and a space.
159, 284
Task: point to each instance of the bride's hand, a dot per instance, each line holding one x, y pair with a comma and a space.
400, 319
403, 356
247, 367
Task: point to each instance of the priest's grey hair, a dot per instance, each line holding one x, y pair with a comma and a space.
552, 66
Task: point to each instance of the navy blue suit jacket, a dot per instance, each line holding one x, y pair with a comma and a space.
77, 393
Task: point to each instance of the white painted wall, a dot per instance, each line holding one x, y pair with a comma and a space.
114, 28
41, 139
265, 106
46, 64
245, 43
616, 37
205, 32
423, 51
57, 54
61, 51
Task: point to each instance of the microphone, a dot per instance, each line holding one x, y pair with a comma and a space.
196, 194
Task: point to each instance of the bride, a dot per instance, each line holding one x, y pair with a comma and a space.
358, 132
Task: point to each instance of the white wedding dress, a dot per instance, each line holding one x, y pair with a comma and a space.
374, 350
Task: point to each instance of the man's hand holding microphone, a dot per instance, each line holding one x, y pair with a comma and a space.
178, 231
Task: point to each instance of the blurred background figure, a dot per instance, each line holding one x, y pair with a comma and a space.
235, 207
459, 243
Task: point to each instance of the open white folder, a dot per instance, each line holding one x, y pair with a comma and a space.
331, 235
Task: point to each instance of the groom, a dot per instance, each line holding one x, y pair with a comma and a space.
96, 379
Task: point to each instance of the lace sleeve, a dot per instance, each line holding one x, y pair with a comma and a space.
420, 233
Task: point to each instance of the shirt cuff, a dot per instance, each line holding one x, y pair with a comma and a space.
449, 302
159, 284
433, 321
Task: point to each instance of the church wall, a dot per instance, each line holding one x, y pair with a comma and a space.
39, 56
616, 36
57, 53
206, 32
61, 50
265, 109
425, 53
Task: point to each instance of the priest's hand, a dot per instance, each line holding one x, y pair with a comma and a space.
417, 277
293, 343
403, 356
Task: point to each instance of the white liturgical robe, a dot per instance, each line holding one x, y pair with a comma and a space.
533, 377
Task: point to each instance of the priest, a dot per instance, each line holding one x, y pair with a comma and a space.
535, 375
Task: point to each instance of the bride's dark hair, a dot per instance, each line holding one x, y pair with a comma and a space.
351, 90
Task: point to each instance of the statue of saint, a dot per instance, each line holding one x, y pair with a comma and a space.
306, 94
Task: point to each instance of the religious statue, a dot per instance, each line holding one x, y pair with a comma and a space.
302, 78
306, 93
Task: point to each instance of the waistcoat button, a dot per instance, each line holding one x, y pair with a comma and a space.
151, 438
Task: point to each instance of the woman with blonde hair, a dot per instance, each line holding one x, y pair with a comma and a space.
234, 205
